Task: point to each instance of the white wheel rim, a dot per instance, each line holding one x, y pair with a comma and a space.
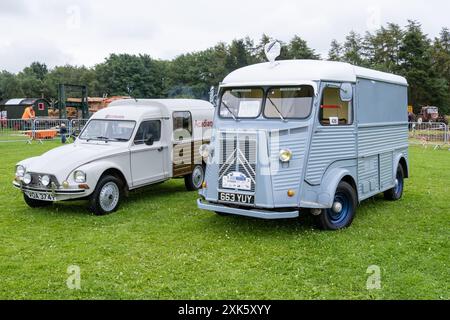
109, 196
197, 176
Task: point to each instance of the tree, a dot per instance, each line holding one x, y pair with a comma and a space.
353, 49
336, 51
138, 75
298, 49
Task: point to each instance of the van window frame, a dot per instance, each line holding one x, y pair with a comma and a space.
191, 132
263, 89
335, 85
143, 141
267, 89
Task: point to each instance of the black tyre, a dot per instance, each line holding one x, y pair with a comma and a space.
194, 180
397, 191
107, 196
341, 214
33, 203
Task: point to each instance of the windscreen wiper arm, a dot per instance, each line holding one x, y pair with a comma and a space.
229, 110
276, 108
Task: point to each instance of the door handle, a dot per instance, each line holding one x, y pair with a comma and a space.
160, 149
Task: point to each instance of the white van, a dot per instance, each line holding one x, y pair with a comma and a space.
130, 144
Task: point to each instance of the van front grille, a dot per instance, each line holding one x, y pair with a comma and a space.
238, 152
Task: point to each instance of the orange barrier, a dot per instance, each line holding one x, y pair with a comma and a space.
42, 134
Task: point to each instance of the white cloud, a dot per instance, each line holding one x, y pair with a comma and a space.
85, 32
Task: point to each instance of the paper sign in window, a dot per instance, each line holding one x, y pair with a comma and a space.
248, 109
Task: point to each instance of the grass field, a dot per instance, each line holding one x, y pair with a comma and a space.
160, 246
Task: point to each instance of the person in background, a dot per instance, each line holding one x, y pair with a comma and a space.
29, 115
63, 132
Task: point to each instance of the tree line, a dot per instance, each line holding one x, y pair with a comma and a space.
406, 51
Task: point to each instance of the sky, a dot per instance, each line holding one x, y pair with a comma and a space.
85, 32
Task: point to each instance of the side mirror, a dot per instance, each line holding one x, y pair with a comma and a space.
212, 96
346, 92
149, 140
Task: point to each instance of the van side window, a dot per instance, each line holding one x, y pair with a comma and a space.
334, 111
151, 128
182, 125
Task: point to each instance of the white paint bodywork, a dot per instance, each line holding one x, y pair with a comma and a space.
294, 72
139, 164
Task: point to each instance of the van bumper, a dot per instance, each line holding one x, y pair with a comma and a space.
255, 213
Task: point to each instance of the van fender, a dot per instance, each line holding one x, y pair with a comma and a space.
94, 170
397, 160
329, 185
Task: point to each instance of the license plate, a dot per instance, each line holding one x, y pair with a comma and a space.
237, 198
40, 196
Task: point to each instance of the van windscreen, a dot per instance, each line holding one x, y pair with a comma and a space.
241, 103
289, 102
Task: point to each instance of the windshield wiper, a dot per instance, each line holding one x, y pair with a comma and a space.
106, 139
276, 108
229, 110
120, 139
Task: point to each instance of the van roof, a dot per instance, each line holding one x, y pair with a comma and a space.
130, 109
298, 71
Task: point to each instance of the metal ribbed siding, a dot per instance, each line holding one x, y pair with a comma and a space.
287, 178
329, 145
368, 175
386, 170
375, 140
246, 143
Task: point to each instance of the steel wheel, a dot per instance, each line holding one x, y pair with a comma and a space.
109, 196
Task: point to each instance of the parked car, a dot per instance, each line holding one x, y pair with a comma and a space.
306, 136
430, 114
130, 144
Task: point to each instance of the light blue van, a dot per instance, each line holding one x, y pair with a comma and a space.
306, 136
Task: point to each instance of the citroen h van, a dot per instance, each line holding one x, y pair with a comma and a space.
306, 136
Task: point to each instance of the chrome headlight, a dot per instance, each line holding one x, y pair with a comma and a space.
204, 150
26, 178
79, 176
20, 171
45, 180
285, 155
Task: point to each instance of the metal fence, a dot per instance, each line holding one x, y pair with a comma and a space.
16, 130
435, 134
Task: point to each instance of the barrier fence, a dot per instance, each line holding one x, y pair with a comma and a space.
16, 130
435, 134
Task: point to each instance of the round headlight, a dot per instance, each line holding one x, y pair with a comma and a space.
204, 150
20, 171
285, 155
79, 176
45, 180
26, 178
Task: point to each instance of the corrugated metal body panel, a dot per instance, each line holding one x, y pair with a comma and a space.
375, 140
386, 170
328, 145
288, 177
368, 182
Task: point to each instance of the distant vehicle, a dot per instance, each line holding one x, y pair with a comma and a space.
128, 145
430, 114
302, 136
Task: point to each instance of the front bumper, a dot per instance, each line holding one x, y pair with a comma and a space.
58, 194
255, 213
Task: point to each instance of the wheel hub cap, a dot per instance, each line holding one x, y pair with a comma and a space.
337, 207
109, 196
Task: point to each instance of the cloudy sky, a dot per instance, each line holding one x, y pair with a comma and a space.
84, 32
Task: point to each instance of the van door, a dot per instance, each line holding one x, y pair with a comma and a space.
182, 143
333, 141
148, 161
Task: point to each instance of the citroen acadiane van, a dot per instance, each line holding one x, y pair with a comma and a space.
130, 144
306, 136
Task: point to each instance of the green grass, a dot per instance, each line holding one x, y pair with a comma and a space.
160, 246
